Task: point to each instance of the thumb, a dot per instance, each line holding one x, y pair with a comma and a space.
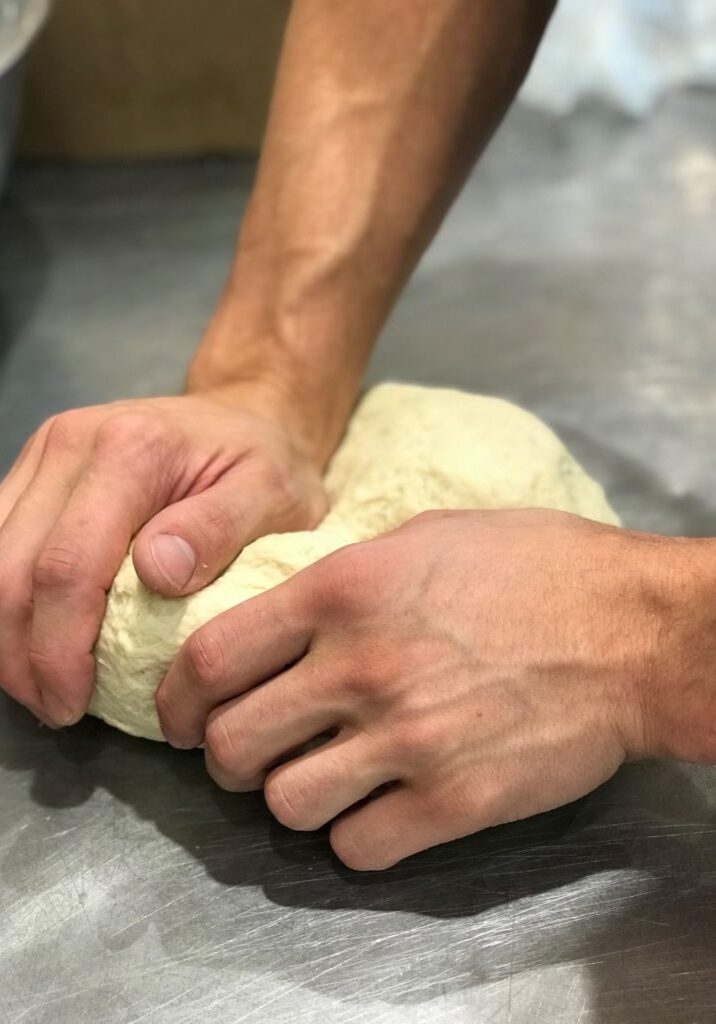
188, 544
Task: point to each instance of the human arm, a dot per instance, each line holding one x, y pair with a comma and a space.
380, 108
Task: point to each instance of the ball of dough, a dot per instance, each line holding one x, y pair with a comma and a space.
407, 449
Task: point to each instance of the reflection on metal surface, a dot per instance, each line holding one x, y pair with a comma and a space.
577, 278
695, 169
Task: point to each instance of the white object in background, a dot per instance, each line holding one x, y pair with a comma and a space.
20, 21
624, 52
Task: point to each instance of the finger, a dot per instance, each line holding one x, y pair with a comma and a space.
245, 737
21, 539
389, 828
73, 573
312, 790
230, 655
188, 544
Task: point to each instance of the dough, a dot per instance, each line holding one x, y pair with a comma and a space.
407, 449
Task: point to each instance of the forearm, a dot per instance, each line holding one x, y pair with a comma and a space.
380, 109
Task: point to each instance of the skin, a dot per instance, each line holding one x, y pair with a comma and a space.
154, 470
469, 668
364, 88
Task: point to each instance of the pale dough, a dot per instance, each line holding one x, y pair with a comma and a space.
407, 449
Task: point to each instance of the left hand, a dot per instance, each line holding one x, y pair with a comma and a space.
471, 668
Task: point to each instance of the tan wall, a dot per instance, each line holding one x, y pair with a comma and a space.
148, 78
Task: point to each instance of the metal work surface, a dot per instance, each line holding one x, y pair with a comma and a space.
576, 276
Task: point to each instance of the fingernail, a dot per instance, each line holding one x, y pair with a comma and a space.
57, 711
174, 558
181, 744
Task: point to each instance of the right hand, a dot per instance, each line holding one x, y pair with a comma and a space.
192, 479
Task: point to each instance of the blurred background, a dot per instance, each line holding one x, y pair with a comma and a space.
127, 78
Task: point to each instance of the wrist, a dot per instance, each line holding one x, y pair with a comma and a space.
677, 693
311, 428
300, 313
244, 361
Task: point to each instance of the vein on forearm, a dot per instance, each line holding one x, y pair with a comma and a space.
380, 109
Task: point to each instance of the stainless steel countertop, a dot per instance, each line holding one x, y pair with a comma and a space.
577, 276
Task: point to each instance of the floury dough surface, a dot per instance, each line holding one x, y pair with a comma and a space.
408, 449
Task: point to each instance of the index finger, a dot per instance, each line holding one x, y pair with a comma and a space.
73, 573
234, 652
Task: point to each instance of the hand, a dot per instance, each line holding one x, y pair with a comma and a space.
193, 479
471, 668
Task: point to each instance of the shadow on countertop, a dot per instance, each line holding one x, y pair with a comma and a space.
618, 881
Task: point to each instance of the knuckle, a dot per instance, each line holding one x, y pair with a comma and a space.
205, 658
44, 663
224, 754
290, 502
130, 432
218, 527
357, 851
59, 567
35, 441
288, 803
275, 479
316, 507
362, 679
352, 564
347, 579
164, 706
419, 739
60, 431
374, 673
